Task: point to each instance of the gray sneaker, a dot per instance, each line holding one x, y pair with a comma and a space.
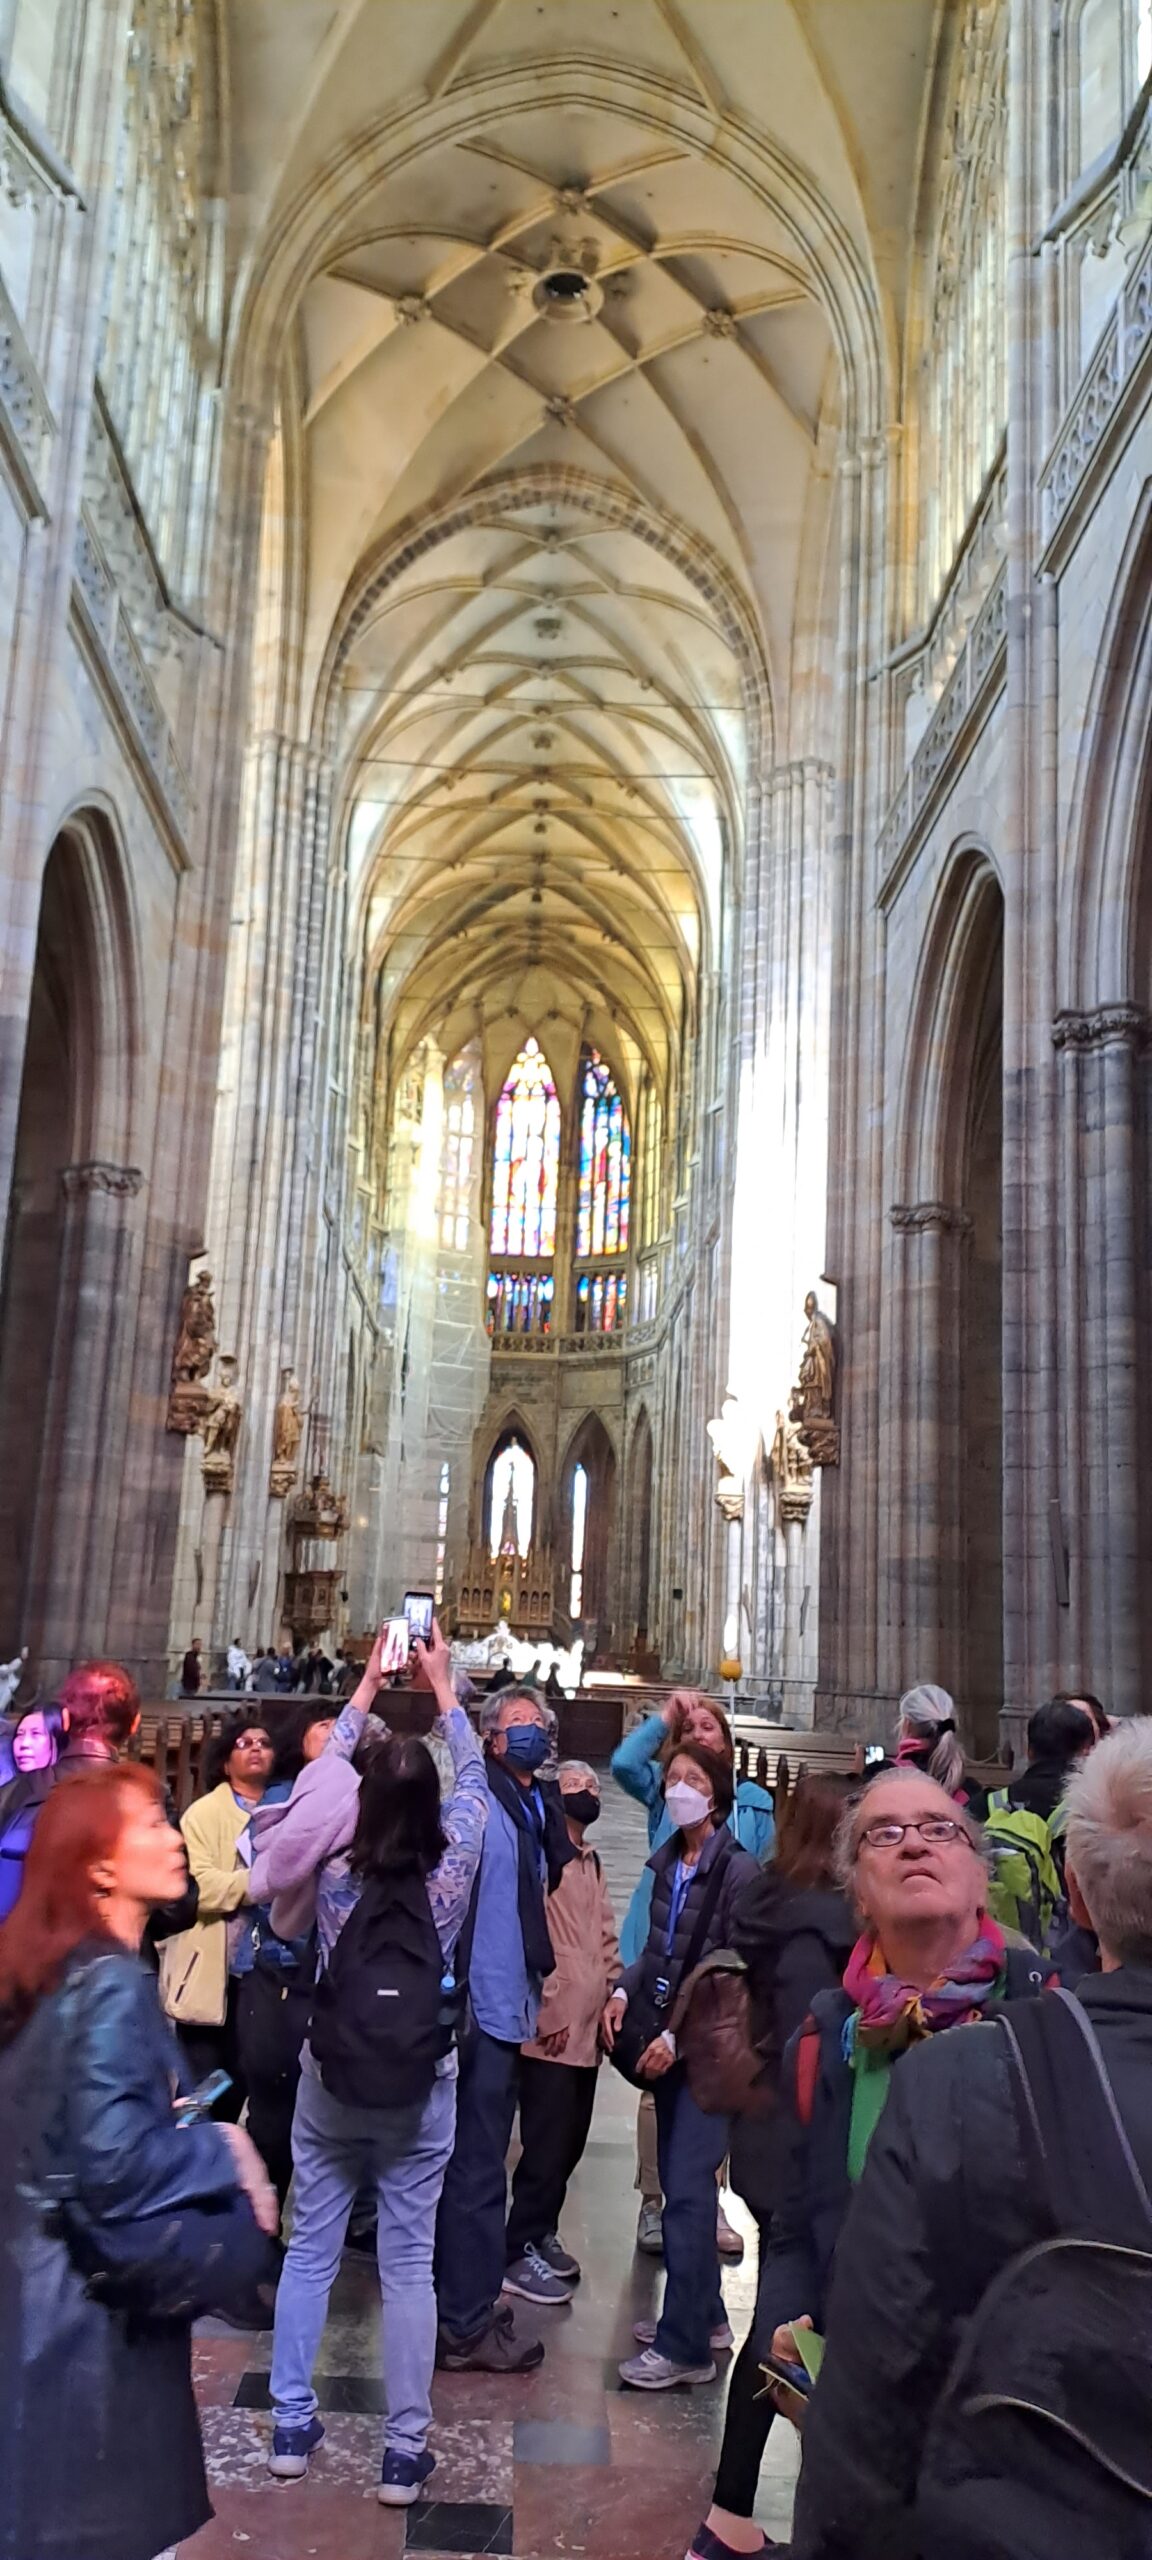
531, 2277
560, 2259
652, 2372
650, 2230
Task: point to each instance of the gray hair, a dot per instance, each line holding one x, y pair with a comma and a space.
1109, 1806
922, 1712
857, 1816
578, 1769
493, 1705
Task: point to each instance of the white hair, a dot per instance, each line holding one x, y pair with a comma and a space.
1109, 1805
578, 1769
493, 1704
923, 1710
856, 1817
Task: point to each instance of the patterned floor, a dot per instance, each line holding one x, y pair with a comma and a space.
563, 2465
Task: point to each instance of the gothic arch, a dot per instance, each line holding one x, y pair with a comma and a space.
104, 923
591, 1446
1106, 927
507, 1427
962, 932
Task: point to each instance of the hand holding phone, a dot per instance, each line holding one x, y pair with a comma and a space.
393, 1641
418, 1610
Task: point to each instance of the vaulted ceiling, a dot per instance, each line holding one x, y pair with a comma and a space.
574, 289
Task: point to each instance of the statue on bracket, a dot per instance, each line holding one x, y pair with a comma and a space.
193, 1357
221, 1430
813, 1396
791, 1470
287, 1430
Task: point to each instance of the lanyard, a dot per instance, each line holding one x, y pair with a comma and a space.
681, 1885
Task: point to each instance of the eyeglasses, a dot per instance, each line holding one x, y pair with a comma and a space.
888, 1835
252, 1742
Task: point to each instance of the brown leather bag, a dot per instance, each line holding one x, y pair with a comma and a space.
712, 2023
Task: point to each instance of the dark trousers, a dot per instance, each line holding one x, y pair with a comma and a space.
690, 2147
207, 2049
470, 2250
747, 2420
271, 2024
556, 2102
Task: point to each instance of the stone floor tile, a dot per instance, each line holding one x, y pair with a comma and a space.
443, 2527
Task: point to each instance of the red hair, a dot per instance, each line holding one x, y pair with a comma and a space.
59, 1906
101, 1697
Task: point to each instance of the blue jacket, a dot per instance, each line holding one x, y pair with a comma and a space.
636, 1768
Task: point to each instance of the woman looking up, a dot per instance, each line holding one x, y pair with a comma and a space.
638, 1766
696, 1877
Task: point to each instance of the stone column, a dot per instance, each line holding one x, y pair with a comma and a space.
1105, 1610
74, 1535
922, 1637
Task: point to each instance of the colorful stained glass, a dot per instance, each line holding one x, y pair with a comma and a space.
601, 1297
605, 1162
526, 1161
520, 1302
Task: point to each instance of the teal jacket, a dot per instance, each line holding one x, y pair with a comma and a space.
636, 1768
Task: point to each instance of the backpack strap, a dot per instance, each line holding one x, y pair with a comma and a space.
1083, 2158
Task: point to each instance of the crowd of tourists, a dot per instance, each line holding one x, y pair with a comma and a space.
309, 2017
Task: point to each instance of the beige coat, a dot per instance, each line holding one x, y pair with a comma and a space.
194, 1965
582, 1928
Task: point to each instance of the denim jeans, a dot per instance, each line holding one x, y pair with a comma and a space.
337, 2149
470, 2250
691, 2147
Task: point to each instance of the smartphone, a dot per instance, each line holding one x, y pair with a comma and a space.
201, 2100
418, 1609
397, 1643
792, 2387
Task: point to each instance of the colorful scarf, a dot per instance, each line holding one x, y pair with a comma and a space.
890, 2015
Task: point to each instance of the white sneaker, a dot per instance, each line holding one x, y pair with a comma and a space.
719, 2339
651, 2372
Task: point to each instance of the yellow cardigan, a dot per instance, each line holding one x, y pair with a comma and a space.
194, 1965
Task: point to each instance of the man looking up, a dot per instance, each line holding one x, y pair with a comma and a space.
506, 1952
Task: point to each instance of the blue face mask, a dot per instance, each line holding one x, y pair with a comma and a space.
527, 1746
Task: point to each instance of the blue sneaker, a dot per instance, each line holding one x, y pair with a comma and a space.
292, 2450
403, 2477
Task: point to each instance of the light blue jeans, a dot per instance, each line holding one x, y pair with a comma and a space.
336, 2150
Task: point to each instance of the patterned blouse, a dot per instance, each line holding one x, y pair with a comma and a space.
463, 1815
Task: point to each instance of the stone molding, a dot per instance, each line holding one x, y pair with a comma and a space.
948, 738
117, 1181
27, 419
1107, 1026
1103, 389
931, 1217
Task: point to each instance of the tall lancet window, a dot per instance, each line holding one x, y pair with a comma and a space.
526, 1163
605, 1163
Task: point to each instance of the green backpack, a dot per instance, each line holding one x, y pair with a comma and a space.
1025, 1892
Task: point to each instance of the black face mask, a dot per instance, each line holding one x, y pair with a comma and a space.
582, 1806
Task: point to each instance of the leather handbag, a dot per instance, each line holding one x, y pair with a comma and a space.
712, 2023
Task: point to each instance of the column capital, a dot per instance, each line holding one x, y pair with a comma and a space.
931, 1217
1106, 1026
119, 1181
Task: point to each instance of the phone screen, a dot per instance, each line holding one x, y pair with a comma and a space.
418, 1608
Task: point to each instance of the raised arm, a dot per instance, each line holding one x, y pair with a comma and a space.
634, 1761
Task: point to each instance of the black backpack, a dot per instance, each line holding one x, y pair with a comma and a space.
386, 2007
1040, 2447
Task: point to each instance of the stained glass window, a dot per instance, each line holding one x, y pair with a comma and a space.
520, 1302
456, 1151
605, 1162
527, 1158
579, 1521
600, 1301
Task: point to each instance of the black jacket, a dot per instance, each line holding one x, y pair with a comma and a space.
945, 2157
658, 1962
795, 1941
100, 2453
815, 2190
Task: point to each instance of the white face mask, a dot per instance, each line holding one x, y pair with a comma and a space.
686, 1804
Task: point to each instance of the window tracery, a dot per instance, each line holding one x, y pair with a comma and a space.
526, 1160
457, 1155
964, 367
605, 1162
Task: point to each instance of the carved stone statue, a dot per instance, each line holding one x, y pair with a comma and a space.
791, 1470
221, 1428
193, 1356
509, 1526
286, 1434
729, 1437
812, 1396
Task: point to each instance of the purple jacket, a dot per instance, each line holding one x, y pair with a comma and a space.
292, 1841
